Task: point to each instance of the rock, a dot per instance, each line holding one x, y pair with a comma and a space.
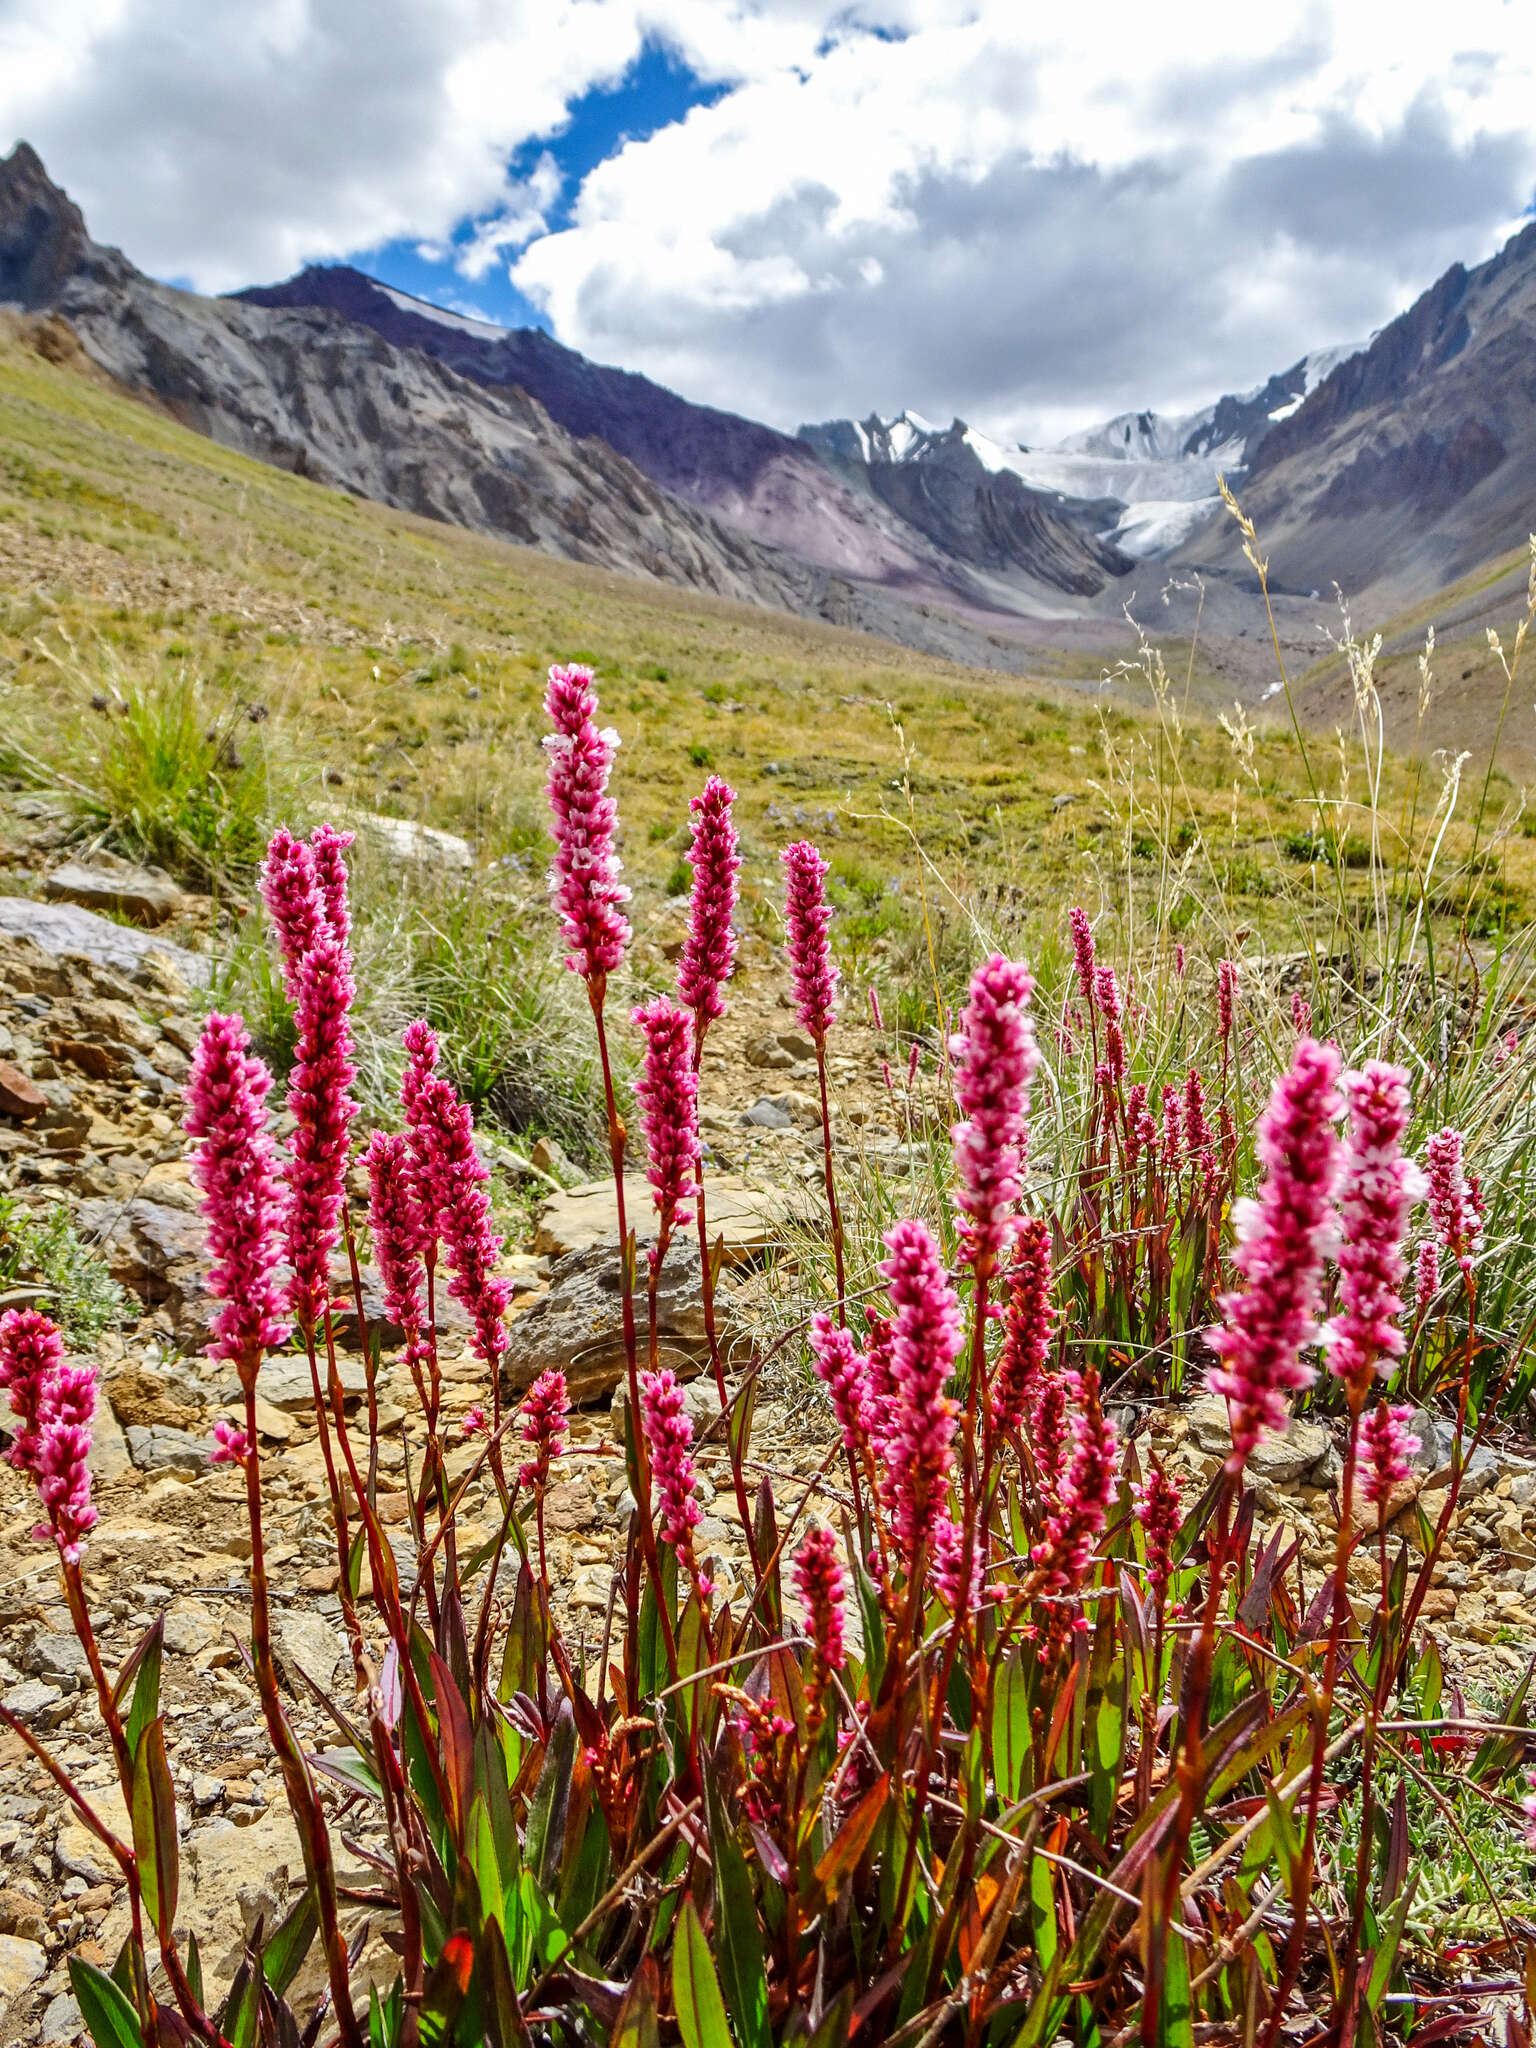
548, 1157
780, 1050
64, 928
32, 1700
1281, 1460
21, 1964
157, 1251
111, 1460
62, 2020
189, 1630
57, 1658
450, 1317
768, 1115
19, 1096
284, 1381
749, 1219
78, 1853
305, 1642
22, 1915
403, 839
161, 1449
577, 1325
143, 894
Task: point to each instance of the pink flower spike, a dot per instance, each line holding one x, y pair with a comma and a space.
1083, 956
1031, 1321
63, 1466
819, 1582
400, 1238
1048, 1434
31, 1353
231, 1444
668, 1093
875, 1017
669, 1437
1226, 992
1455, 1205
1178, 959
1158, 1511
237, 1171
1283, 1241
926, 1341
474, 1423
451, 1180
807, 915
546, 1406
585, 875
1301, 1014
290, 889
995, 1059
1377, 1188
1426, 1279
709, 950
841, 1368
327, 846
1087, 1487
1385, 1449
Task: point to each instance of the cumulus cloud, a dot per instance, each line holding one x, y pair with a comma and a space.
967, 206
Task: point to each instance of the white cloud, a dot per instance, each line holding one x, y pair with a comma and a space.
1028, 216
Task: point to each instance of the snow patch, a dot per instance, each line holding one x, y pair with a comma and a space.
461, 322
1156, 526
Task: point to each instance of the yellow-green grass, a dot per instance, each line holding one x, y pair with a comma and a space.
402, 665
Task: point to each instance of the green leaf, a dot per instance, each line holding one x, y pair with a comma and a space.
1010, 1731
741, 1946
143, 1667
456, 1742
1386, 1954
695, 1987
195, 1969
285, 1952
835, 2022
110, 2020
636, 2026
544, 1841
1175, 2016
1042, 1910
852, 1838
153, 1815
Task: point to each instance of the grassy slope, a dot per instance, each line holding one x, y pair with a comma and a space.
402, 665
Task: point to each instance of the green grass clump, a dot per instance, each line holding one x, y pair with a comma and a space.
45, 1250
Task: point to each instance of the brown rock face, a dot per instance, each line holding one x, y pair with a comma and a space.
19, 1096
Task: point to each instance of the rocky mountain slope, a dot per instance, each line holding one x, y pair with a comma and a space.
1413, 462
332, 399
985, 544
1141, 482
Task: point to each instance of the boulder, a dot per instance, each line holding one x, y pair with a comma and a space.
160, 1449
768, 1113
578, 1327
402, 839
143, 894
780, 1050
749, 1219
64, 928
1281, 1460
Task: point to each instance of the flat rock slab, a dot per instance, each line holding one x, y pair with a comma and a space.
749, 1219
577, 1326
21, 1964
63, 928
148, 898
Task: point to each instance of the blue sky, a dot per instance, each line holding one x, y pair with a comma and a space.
658, 88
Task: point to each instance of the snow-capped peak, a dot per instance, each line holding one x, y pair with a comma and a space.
487, 330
